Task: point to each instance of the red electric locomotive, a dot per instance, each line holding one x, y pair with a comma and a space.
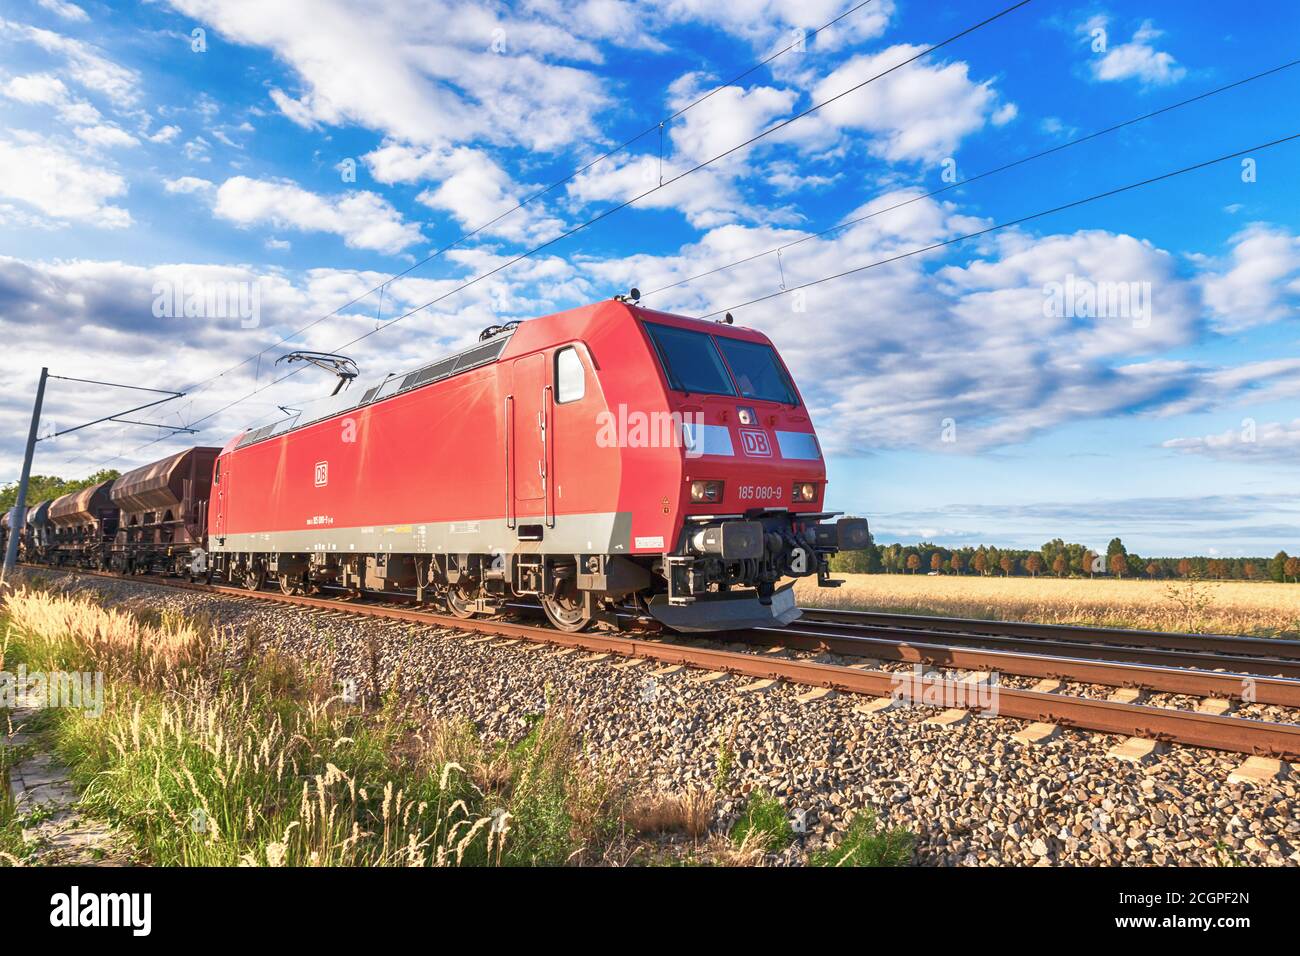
605, 459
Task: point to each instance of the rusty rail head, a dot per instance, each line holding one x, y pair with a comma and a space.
1173, 680
1206, 660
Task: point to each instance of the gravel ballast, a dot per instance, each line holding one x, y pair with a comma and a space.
970, 794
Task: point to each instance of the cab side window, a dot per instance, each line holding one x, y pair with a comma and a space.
570, 377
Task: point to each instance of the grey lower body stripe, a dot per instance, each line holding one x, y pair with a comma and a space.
601, 533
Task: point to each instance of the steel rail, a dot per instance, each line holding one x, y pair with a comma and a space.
1237, 664
1234, 734
1223, 643
1253, 688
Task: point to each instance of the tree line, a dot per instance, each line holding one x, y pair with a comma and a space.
1058, 558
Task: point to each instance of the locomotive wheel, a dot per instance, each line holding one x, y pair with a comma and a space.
460, 602
291, 585
565, 610
255, 578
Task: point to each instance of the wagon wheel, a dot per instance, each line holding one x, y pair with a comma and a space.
460, 601
255, 577
565, 609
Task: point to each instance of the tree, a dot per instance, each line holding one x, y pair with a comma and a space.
1118, 563
1184, 568
1050, 551
1008, 564
1089, 562
1061, 565
1251, 571
1034, 563
1153, 570
913, 562
1115, 547
936, 561
1277, 567
981, 562
1292, 569
956, 563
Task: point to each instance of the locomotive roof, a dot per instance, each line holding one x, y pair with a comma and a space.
484, 353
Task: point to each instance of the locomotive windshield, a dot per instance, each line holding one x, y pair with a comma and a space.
690, 360
757, 371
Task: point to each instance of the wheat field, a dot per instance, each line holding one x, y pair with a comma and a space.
1221, 607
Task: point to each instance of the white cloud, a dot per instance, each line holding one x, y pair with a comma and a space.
165, 135
426, 72
1136, 59
66, 10
41, 89
79, 113
188, 184
476, 190
84, 64
61, 185
711, 196
364, 220
731, 115
106, 135
1261, 281
196, 150
920, 112
770, 24
1271, 441
46, 89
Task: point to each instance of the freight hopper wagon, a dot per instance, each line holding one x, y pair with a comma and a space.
603, 461
83, 526
163, 513
37, 535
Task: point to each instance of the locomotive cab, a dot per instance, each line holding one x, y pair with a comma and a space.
752, 484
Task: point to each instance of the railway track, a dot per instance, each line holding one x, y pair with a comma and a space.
1161, 724
1068, 633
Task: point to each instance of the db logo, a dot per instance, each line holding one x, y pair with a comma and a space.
755, 443
322, 473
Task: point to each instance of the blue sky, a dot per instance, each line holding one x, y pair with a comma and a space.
195, 143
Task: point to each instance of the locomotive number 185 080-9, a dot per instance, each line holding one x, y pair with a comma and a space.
760, 492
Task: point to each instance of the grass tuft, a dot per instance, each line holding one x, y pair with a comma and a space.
763, 823
867, 843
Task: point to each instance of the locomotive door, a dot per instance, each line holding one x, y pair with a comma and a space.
221, 485
529, 439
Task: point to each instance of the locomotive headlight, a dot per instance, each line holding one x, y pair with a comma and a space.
706, 491
805, 491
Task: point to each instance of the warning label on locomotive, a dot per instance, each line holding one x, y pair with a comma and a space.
656, 542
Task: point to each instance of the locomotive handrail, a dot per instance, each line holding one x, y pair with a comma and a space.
509, 420
548, 511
